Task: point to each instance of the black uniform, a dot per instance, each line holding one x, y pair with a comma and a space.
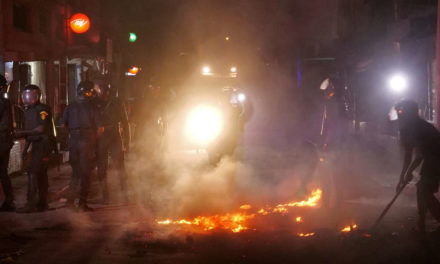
80, 119
112, 115
42, 145
425, 139
5, 147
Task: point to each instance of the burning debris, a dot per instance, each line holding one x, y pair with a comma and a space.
237, 222
306, 234
349, 228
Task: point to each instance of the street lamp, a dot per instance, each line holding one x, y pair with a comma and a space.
398, 83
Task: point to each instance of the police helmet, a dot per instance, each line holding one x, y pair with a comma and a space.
31, 95
85, 88
102, 87
407, 109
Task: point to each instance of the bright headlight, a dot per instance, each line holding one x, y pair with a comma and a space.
203, 125
241, 97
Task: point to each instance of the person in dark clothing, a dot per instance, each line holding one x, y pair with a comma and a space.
420, 137
80, 118
6, 143
39, 133
113, 119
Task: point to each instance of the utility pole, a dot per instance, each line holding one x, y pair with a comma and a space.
437, 73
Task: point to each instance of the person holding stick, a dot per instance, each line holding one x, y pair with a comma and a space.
421, 142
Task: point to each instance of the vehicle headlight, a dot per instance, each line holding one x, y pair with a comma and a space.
204, 124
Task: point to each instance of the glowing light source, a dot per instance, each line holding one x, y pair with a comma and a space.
79, 23
233, 69
227, 38
132, 37
204, 124
134, 70
398, 83
241, 97
349, 228
206, 70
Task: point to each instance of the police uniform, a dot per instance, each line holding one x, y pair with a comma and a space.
42, 145
112, 114
5, 147
80, 119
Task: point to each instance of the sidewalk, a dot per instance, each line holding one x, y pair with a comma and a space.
61, 235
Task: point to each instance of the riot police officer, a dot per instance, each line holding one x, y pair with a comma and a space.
81, 121
113, 118
39, 133
5, 146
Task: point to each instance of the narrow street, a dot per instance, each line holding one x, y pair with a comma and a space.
129, 233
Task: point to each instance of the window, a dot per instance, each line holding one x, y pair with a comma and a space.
20, 14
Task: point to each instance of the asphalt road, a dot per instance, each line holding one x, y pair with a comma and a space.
128, 233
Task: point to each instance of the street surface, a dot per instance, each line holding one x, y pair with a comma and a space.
128, 233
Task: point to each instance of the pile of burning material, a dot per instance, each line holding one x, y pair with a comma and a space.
249, 218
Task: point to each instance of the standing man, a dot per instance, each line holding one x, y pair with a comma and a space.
6, 143
115, 138
420, 137
39, 133
80, 120
334, 135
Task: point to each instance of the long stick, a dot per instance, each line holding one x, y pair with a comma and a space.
388, 207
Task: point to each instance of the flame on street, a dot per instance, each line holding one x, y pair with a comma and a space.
349, 228
234, 222
305, 234
237, 222
245, 207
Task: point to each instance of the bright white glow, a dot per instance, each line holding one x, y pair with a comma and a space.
234, 69
241, 97
206, 70
392, 114
398, 83
204, 124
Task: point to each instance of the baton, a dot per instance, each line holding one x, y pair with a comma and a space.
388, 207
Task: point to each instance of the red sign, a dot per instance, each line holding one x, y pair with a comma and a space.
133, 70
79, 23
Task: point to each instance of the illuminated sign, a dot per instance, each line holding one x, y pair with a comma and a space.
79, 23
133, 70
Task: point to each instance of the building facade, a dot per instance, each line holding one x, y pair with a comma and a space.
38, 47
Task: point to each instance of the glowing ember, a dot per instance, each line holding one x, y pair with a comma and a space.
349, 228
233, 222
238, 222
263, 212
245, 207
310, 202
305, 234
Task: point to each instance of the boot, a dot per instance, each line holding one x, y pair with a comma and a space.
27, 209
83, 207
7, 207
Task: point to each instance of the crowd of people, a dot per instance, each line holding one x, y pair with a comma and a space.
98, 129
